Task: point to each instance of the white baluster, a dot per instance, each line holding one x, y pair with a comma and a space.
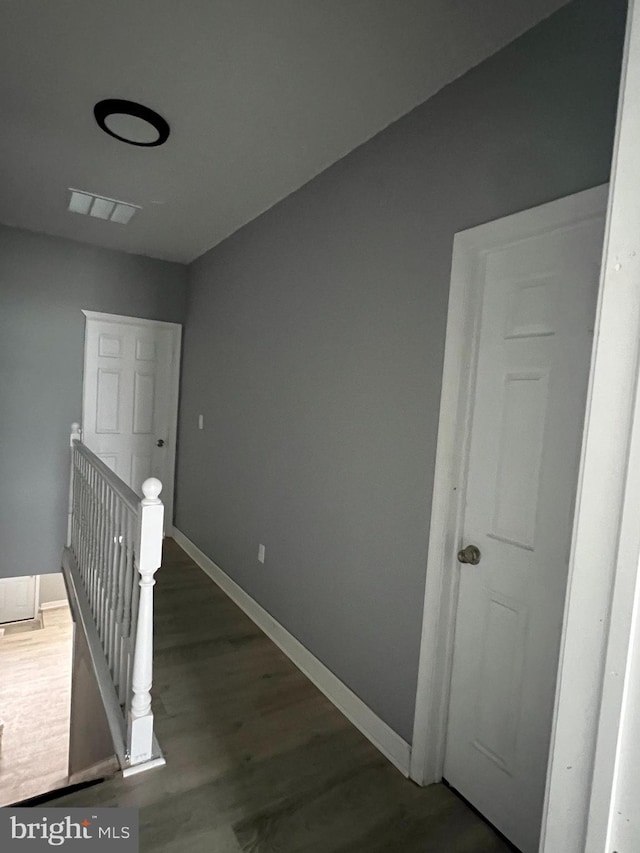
113, 582
75, 436
128, 627
140, 729
119, 602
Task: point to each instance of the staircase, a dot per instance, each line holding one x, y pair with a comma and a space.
114, 548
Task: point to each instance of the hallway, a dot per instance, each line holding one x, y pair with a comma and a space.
257, 758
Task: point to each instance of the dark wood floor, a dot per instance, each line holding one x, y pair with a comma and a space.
257, 758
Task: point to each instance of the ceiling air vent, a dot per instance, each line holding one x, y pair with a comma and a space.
101, 207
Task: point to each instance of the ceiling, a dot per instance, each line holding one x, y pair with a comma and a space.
260, 96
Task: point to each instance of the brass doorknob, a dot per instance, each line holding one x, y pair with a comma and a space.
470, 554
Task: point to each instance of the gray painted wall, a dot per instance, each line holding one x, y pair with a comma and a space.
45, 282
314, 347
52, 588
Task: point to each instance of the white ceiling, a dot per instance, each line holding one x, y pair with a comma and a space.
261, 95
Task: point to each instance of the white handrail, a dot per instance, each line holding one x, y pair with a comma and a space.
115, 542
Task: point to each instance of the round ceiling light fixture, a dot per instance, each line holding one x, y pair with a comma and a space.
130, 122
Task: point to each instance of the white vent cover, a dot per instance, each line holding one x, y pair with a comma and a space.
101, 207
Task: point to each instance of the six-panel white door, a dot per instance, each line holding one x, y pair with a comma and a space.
130, 398
17, 598
536, 320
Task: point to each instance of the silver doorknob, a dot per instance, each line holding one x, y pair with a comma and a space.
470, 554
160, 442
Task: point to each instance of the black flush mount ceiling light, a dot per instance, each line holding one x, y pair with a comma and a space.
130, 122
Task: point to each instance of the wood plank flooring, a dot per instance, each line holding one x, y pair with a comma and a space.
35, 691
258, 760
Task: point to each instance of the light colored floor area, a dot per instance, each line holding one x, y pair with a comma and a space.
258, 760
24, 627
35, 691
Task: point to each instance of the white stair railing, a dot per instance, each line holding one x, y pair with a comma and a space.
114, 541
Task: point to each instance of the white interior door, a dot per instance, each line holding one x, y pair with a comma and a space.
130, 398
17, 598
537, 299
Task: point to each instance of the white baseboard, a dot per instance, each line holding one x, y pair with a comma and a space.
381, 735
53, 605
134, 769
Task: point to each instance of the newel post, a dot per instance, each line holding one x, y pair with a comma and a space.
149, 557
76, 435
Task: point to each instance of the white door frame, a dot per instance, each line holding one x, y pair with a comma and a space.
592, 793
449, 490
173, 395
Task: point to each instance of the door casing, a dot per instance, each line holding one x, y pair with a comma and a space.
445, 536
